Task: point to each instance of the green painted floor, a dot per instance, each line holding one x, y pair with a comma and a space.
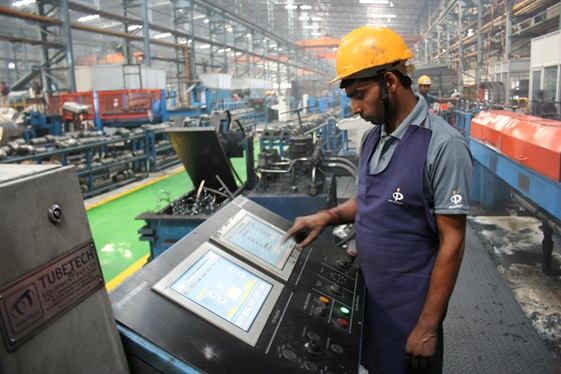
115, 229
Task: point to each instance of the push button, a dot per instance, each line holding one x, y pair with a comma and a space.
310, 366
343, 323
288, 354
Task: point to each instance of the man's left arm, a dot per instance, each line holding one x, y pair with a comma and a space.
423, 339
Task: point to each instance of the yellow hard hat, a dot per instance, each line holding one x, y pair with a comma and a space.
368, 51
424, 80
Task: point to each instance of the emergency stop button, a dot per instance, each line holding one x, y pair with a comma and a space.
342, 323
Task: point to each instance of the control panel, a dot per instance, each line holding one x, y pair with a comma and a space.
231, 297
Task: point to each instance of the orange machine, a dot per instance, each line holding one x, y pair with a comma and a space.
532, 141
127, 104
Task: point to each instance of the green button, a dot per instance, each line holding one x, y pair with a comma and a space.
344, 311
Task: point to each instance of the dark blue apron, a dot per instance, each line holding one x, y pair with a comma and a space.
397, 244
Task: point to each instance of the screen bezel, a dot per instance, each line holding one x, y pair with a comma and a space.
219, 236
163, 287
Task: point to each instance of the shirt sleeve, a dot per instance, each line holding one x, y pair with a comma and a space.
431, 99
450, 177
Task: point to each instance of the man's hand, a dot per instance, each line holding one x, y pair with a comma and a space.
420, 347
306, 229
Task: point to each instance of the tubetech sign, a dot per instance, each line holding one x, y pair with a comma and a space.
29, 303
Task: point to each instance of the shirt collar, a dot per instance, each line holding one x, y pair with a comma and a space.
416, 117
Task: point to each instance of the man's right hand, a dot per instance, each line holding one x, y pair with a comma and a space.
307, 228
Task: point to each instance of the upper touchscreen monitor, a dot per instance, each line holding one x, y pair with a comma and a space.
260, 242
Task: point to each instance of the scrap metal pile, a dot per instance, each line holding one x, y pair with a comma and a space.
201, 202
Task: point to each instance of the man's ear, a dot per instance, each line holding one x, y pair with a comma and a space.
391, 81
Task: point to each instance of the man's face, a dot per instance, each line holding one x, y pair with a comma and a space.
365, 101
424, 88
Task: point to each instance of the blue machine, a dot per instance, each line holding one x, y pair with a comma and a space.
39, 124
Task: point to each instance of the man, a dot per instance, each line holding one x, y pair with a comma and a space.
424, 83
5, 92
270, 100
410, 208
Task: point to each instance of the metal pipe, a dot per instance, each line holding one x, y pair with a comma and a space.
508, 28
550, 224
342, 160
479, 44
538, 212
344, 167
69, 50
146, 33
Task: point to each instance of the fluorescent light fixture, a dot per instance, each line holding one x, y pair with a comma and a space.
382, 15
303, 18
377, 2
133, 27
291, 7
18, 4
162, 35
206, 20
273, 46
11, 65
309, 27
91, 17
305, 7
316, 33
205, 46
316, 18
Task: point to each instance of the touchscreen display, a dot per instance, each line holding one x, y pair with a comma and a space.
224, 288
261, 240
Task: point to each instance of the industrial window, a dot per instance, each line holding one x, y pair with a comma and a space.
550, 83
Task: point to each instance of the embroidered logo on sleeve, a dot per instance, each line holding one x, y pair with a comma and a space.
397, 197
456, 200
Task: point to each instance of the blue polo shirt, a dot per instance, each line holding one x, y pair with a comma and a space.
449, 166
430, 99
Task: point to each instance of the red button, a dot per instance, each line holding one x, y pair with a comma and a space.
343, 323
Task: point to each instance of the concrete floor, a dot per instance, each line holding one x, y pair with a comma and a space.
513, 242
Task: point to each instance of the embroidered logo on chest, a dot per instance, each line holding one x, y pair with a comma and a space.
397, 196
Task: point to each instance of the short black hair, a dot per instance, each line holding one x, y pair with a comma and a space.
405, 80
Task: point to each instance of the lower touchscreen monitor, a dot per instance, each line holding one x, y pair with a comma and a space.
223, 290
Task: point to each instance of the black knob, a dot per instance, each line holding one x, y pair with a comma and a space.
336, 289
312, 348
321, 310
342, 263
346, 262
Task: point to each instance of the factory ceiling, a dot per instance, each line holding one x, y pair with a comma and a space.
260, 33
